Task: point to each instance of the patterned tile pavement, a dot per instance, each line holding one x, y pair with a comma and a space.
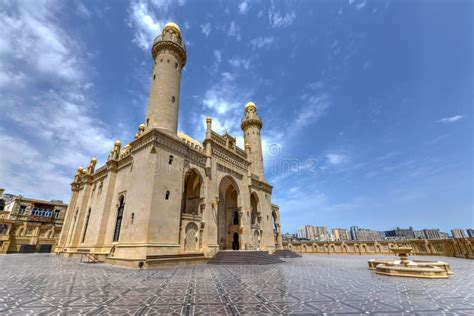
314, 284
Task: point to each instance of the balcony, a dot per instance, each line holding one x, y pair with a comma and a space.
42, 219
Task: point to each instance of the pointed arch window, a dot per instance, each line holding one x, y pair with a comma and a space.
118, 222
85, 226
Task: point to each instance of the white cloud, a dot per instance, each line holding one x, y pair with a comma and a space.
218, 55
280, 20
224, 101
450, 119
148, 19
25, 170
243, 7
49, 125
336, 159
237, 62
206, 29
145, 24
315, 106
359, 4
260, 42
233, 30
82, 10
28, 33
11, 79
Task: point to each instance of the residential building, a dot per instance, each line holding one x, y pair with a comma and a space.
470, 232
432, 233
340, 234
400, 234
353, 232
458, 233
419, 234
30, 225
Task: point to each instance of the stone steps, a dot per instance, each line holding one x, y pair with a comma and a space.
244, 257
285, 253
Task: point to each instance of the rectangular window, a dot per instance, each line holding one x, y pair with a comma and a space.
22, 210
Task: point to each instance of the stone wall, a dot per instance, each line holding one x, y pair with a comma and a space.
459, 247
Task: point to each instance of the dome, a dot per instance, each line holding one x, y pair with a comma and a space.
189, 139
250, 104
172, 25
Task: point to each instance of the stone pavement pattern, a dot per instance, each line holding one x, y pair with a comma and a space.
314, 284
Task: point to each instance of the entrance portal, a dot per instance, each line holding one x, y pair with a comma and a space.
228, 216
235, 242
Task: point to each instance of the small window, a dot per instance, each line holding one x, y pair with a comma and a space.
161, 60
173, 99
154, 76
176, 65
167, 195
168, 61
147, 121
170, 161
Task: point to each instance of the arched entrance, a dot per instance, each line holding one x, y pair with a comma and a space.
228, 217
235, 242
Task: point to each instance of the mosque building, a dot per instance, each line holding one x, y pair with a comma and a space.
166, 196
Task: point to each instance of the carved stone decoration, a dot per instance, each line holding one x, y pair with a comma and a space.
191, 237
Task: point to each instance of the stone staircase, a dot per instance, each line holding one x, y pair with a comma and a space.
285, 253
244, 257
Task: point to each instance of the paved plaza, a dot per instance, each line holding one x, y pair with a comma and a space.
314, 284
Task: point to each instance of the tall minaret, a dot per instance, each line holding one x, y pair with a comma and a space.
251, 125
169, 54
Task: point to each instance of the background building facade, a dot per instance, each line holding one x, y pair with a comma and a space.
30, 225
458, 233
340, 234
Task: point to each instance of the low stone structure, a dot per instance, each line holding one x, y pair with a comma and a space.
410, 268
456, 247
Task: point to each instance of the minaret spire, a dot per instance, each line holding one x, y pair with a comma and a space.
169, 55
251, 125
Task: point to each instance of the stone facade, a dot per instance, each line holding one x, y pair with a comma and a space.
166, 194
29, 225
462, 247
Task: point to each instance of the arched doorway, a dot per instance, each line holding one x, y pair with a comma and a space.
190, 241
228, 216
192, 193
235, 241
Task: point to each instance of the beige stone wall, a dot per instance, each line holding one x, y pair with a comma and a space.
462, 247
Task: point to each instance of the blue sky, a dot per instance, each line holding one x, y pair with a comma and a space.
367, 105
